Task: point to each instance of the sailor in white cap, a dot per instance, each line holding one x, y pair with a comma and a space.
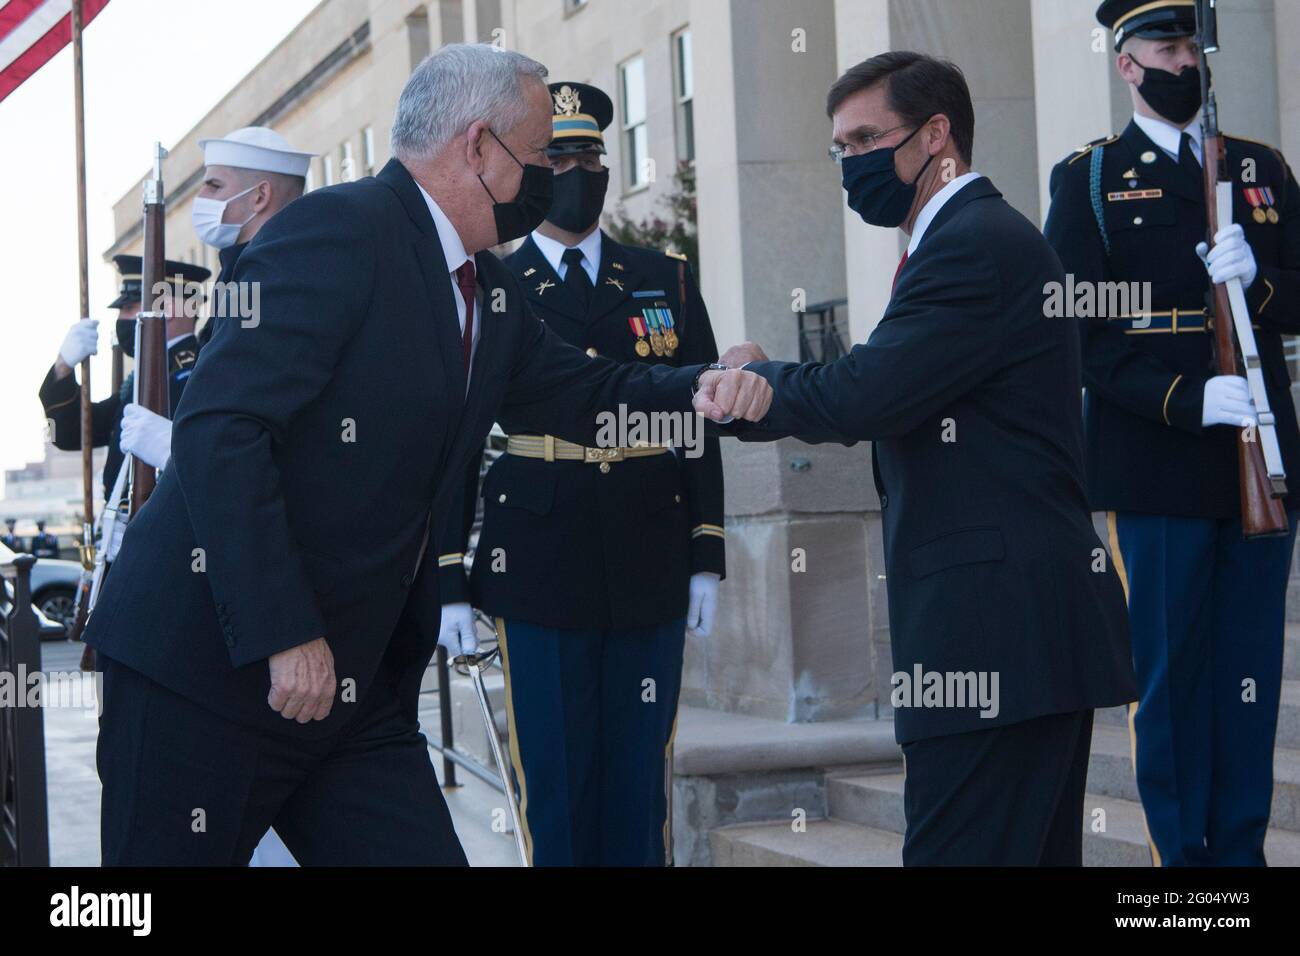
250, 175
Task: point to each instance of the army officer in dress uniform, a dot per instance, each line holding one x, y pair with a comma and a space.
594, 561
44, 544
1207, 607
11, 540
116, 421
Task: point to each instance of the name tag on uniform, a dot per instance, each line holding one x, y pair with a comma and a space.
1135, 194
649, 294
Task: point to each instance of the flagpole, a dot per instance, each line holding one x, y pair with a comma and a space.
87, 425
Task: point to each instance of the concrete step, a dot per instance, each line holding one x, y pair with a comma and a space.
1291, 653
1114, 831
823, 843
1123, 842
1110, 774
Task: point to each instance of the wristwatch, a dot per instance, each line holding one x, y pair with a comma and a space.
711, 367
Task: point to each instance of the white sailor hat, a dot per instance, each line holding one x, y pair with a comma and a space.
256, 147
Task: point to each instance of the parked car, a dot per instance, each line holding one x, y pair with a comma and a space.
54, 592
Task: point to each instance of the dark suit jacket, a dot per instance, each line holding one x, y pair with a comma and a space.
972, 399
335, 419
654, 521
1146, 449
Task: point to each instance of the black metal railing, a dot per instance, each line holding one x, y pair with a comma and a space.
822, 335
24, 816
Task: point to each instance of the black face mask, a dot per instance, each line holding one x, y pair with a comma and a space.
526, 211
125, 330
875, 191
579, 198
1175, 96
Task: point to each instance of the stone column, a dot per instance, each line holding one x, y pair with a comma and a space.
793, 635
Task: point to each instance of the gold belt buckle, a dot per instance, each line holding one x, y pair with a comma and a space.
602, 455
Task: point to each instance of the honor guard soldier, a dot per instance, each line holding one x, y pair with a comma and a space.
44, 545
116, 421
594, 561
249, 175
11, 540
1207, 608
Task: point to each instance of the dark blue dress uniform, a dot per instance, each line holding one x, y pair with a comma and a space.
44, 544
1206, 607
586, 565
12, 541
61, 397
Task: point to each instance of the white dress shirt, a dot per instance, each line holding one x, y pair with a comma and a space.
1169, 137
931, 208
554, 252
454, 250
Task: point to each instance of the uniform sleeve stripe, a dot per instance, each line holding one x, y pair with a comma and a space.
1164, 411
708, 529
446, 560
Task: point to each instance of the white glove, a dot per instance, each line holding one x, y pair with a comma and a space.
1227, 402
1231, 257
81, 342
146, 435
704, 602
457, 632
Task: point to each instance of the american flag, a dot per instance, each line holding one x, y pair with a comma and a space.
32, 32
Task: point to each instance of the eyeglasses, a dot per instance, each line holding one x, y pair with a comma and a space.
866, 143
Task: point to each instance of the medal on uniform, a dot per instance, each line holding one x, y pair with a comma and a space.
642, 347
1262, 208
670, 336
656, 338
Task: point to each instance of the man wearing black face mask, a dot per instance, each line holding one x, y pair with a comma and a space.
1206, 607
279, 684
970, 393
60, 394
580, 635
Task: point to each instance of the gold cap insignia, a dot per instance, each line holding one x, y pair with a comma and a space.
567, 102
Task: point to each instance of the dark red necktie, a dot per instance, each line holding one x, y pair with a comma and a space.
899, 271
465, 279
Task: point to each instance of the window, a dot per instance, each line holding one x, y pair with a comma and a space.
328, 163
684, 95
347, 171
635, 152
368, 149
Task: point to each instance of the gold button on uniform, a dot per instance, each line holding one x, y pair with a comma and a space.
677, 498
604, 468
1137, 220
592, 351
502, 499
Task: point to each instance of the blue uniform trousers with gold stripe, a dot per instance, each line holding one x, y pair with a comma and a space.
591, 714
1207, 610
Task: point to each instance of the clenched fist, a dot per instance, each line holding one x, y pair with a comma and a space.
722, 396
302, 682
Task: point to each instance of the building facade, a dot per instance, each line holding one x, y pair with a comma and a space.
737, 88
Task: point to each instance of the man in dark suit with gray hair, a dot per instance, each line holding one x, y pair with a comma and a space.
277, 684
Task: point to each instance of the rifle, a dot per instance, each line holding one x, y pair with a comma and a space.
1260, 473
151, 390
